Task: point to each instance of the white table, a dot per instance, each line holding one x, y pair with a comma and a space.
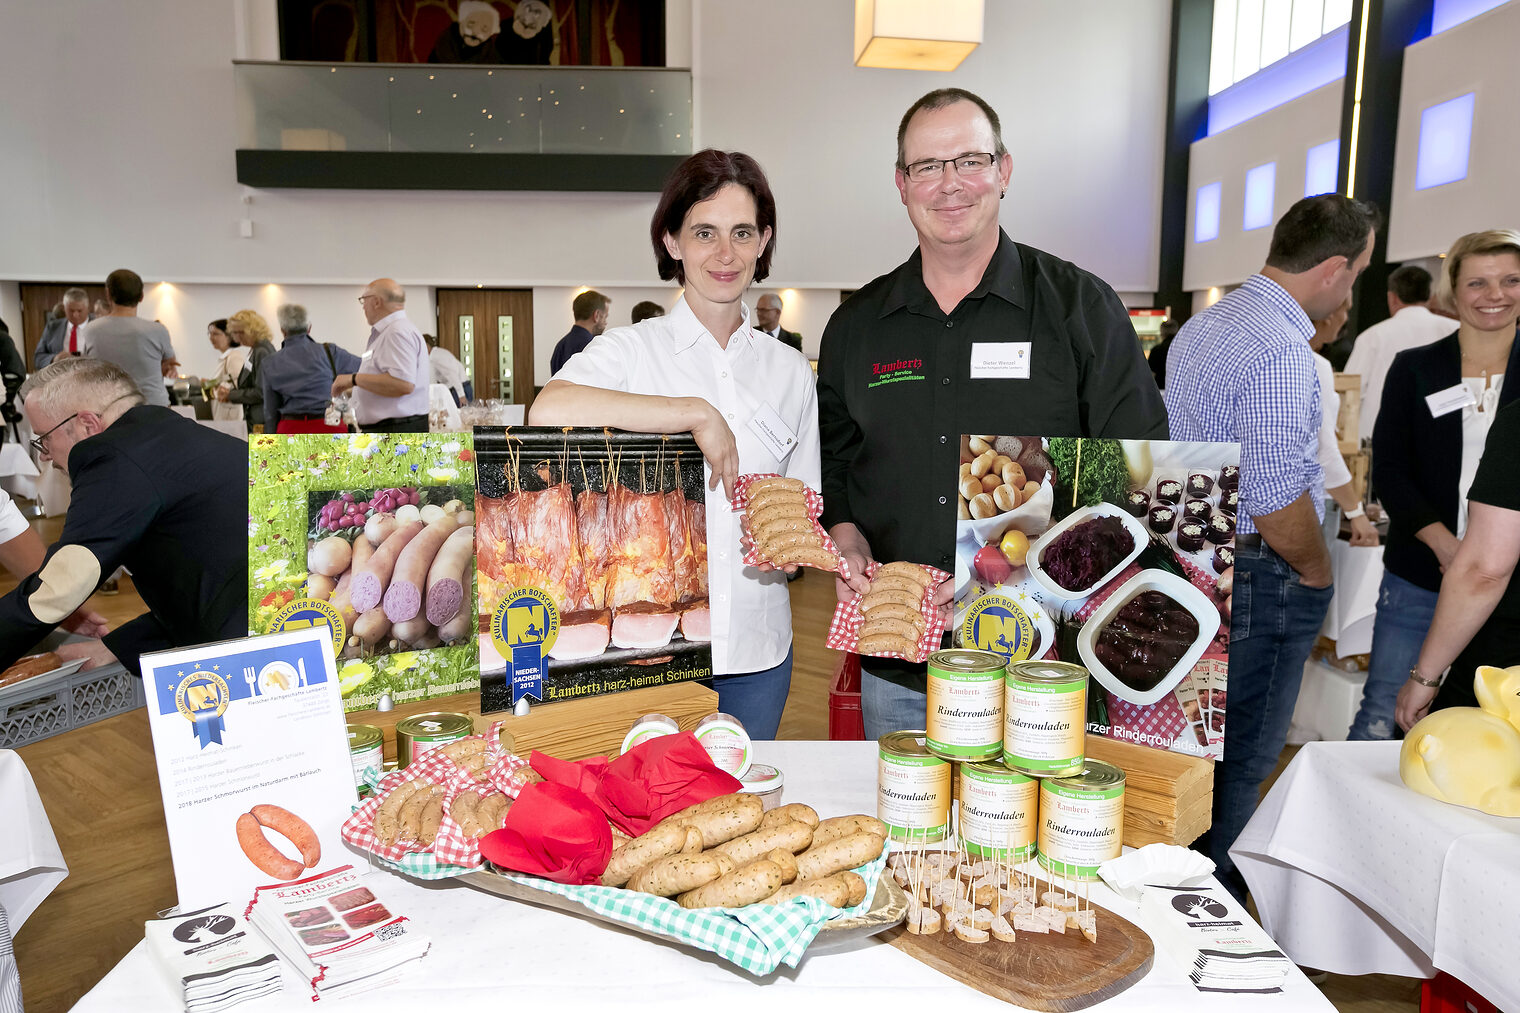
488, 951
1355, 873
30, 864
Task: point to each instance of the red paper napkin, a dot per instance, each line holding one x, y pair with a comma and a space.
552, 831
654, 779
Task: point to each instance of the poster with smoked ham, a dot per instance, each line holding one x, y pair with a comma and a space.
591, 555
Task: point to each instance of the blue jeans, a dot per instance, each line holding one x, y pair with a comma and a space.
1404, 614
756, 698
892, 701
1274, 621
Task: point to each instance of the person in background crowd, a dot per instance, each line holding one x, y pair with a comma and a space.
472, 39
251, 331
1425, 464
390, 388
643, 311
101, 308
62, 334
1242, 372
297, 380
768, 320
1337, 475
1000, 337
591, 310
153, 491
141, 347
1410, 324
444, 368
704, 370
12, 372
1157, 359
230, 361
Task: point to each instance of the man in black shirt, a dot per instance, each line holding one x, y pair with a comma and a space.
591, 310
973, 334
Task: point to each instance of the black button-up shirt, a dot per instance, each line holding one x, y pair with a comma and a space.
895, 390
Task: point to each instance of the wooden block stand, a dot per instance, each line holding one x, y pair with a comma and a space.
569, 729
1168, 797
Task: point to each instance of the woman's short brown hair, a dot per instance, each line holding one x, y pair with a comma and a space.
697, 179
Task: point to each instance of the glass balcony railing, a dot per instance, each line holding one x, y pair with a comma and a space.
431, 108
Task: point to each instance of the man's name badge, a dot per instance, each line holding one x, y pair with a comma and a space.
1452, 399
1000, 360
772, 432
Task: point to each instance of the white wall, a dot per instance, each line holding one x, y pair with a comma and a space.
1478, 55
1284, 134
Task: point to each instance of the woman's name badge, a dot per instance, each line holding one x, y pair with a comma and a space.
768, 428
1452, 399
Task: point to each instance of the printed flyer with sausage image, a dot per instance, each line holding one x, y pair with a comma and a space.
253, 761
1115, 555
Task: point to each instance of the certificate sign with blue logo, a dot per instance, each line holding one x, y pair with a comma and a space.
253, 761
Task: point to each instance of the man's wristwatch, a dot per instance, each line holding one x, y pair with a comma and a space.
353, 379
1414, 673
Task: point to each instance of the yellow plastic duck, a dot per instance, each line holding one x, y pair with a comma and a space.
1470, 756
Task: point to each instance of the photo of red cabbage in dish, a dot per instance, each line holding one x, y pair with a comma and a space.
1085, 552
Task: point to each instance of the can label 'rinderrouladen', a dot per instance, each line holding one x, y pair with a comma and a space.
912, 789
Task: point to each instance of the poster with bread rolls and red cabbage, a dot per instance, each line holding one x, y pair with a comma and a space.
252, 753
372, 537
591, 550
1115, 555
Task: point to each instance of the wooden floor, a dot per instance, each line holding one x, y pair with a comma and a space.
100, 787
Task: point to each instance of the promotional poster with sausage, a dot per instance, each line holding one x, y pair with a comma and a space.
372, 537
1117, 556
592, 555
252, 754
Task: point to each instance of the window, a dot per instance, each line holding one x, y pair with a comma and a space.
1261, 191
1322, 167
1252, 34
1445, 141
1206, 212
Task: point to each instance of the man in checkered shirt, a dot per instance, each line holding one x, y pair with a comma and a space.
1242, 371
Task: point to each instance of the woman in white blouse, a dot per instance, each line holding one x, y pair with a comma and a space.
233, 357
1337, 475
749, 401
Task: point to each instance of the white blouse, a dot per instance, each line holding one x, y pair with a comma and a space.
1329, 455
1475, 426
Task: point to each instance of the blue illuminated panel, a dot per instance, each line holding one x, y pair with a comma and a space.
1450, 13
1313, 66
1261, 191
1445, 140
1206, 213
1322, 168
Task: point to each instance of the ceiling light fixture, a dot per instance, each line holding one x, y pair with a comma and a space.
916, 34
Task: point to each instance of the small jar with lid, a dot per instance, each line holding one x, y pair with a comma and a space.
650, 726
726, 741
765, 781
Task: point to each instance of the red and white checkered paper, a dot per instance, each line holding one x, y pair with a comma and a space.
814, 500
450, 846
844, 628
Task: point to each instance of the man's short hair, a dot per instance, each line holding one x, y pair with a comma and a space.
431, 340
697, 179
292, 318
1317, 228
124, 287
645, 310
80, 384
938, 99
1474, 244
588, 302
75, 295
392, 293
1410, 284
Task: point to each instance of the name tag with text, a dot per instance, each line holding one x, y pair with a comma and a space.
1452, 399
1000, 360
768, 428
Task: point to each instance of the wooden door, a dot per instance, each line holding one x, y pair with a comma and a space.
491, 332
36, 300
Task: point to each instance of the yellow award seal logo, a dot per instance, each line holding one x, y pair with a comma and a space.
996, 623
306, 612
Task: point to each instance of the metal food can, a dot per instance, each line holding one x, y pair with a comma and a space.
912, 789
965, 706
421, 732
998, 812
1045, 718
366, 748
1082, 820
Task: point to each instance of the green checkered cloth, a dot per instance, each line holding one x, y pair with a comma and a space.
758, 938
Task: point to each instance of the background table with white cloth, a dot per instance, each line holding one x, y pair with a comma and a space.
1329, 697
488, 950
30, 863
1357, 874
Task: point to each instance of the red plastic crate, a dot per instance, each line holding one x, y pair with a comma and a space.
845, 722
1445, 994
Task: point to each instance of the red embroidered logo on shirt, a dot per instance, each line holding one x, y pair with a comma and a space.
896, 371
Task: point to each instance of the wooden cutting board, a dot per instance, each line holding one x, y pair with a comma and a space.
1041, 972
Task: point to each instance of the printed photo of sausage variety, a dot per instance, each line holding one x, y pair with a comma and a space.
1116, 555
613, 527
395, 563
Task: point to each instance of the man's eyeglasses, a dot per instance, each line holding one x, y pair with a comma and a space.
969, 164
37, 444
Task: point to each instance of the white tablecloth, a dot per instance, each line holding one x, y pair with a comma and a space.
488, 951
30, 863
1355, 873
1358, 572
